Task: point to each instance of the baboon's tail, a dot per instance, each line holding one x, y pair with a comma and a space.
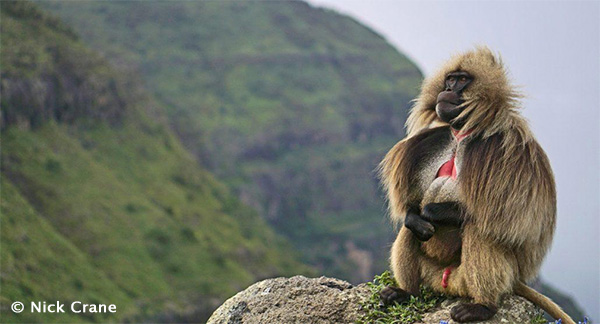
543, 302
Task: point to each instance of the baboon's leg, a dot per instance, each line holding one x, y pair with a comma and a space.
405, 261
491, 269
486, 272
405, 266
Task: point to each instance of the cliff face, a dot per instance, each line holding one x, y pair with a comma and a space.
290, 105
100, 201
328, 300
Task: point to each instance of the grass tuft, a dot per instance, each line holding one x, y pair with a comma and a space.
405, 313
538, 319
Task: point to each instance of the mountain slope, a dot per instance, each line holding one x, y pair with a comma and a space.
100, 202
40, 264
290, 105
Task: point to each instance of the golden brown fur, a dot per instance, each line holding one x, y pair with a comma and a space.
491, 100
444, 246
505, 185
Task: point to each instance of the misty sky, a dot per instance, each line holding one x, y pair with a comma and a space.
552, 50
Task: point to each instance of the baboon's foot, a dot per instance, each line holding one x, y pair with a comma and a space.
391, 295
469, 312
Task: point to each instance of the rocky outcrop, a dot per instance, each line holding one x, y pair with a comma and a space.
293, 300
328, 300
513, 309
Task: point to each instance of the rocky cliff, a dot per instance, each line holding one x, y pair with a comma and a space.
328, 300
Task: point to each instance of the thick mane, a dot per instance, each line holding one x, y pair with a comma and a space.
399, 167
504, 188
491, 100
505, 169
510, 190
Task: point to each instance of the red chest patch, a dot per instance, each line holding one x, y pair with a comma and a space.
447, 169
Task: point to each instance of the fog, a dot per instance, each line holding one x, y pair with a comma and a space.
552, 50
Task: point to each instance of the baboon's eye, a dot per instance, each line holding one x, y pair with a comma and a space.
463, 79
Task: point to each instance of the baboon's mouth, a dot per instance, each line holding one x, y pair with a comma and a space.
455, 103
449, 97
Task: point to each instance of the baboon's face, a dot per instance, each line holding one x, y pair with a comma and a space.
449, 101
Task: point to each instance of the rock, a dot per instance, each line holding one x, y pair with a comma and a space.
293, 300
329, 300
513, 309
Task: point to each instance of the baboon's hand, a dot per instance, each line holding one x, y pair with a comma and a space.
445, 213
391, 295
422, 229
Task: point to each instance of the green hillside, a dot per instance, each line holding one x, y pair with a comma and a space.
291, 106
100, 201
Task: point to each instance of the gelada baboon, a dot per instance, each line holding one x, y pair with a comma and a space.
473, 190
